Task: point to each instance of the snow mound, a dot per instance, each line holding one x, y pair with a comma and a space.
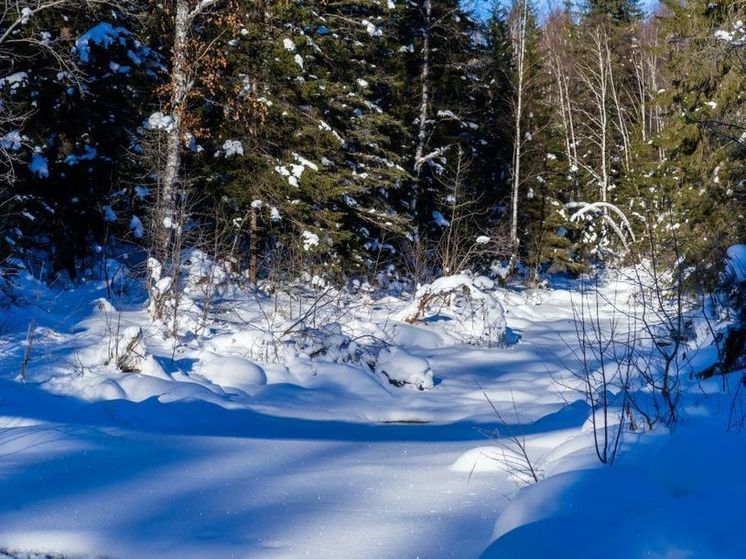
121, 351
480, 459
130, 352
463, 306
232, 372
404, 369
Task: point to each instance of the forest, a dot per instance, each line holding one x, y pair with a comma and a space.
372, 140
407, 277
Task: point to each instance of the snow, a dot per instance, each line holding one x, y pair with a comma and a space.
15, 80
401, 367
737, 261
141, 192
288, 44
248, 441
89, 153
136, 227
439, 219
39, 165
159, 121
310, 240
480, 459
736, 37
104, 35
293, 172
232, 148
662, 506
371, 29
110, 215
463, 306
232, 372
12, 140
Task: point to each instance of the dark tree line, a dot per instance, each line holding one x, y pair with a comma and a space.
371, 138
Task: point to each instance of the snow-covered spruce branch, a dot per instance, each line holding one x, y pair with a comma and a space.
25, 11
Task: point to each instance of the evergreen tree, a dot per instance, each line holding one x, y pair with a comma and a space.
614, 12
77, 135
549, 162
443, 99
700, 186
307, 99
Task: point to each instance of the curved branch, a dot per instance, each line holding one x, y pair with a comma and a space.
586, 207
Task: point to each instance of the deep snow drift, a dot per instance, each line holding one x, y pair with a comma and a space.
363, 434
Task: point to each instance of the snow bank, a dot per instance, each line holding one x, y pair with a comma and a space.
674, 498
404, 369
480, 459
232, 372
463, 306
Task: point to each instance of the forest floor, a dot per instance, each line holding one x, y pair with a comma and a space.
210, 453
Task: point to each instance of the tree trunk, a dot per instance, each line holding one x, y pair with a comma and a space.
166, 220
519, 39
424, 100
253, 232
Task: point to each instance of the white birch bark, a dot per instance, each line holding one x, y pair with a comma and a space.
424, 93
520, 25
186, 12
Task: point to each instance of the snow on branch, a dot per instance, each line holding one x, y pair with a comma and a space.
586, 207
201, 6
25, 13
428, 157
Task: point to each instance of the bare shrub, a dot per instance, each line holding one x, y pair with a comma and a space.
605, 352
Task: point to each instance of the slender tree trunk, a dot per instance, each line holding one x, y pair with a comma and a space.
424, 99
571, 122
601, 94
621, 120
253, 232
179, 91
519, 43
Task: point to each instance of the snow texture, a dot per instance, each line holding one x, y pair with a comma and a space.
272, 435
104, 35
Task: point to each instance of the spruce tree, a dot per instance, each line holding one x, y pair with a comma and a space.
77, 135
700, 183
307, 98
614, 12
442, 99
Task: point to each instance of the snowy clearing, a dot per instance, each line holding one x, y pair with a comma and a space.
209, 452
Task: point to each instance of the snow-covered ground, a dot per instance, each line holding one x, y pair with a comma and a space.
227, 446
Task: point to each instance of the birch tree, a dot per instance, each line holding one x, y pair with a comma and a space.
419, 156
183, 70
594, 122
519, 25
188, 55
556, 43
